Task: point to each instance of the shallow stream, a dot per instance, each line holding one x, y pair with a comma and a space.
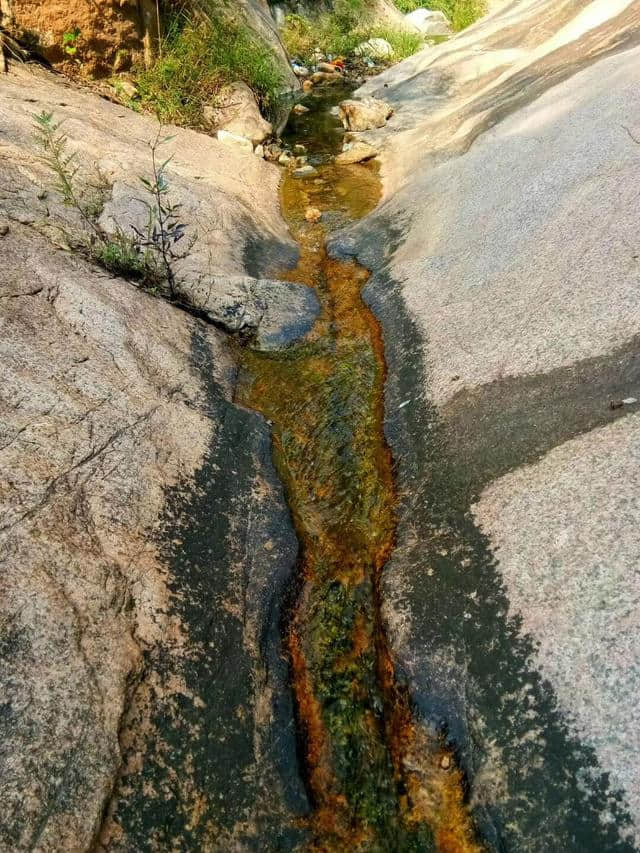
359, 745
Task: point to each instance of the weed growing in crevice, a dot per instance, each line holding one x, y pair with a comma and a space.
147, 255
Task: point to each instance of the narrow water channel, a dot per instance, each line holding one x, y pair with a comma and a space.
375, 780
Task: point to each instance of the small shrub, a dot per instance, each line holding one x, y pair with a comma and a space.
70, 41
121, 256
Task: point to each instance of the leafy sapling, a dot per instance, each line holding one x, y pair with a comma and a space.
164, 228
53, 144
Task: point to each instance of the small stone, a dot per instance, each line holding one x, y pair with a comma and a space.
128, 88
356, 152
300, 70
300, 109
234, 140
259, 151
445, 762
313, 215
307, 85
304, 172
300, 149
284, 159
375, 48
326, 77
329, 68
272, 152
4, 229
629, 401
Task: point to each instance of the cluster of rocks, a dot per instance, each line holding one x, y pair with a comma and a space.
358, 116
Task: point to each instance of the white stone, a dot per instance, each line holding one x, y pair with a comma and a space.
376, 48
234, 140
430, 23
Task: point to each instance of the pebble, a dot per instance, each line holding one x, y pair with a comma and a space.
259, 151
307, 86
300, 149
445, 762
284, 159
300, 109
312, 214
329, 67
304, 171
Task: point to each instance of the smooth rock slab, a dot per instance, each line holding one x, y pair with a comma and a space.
565, 532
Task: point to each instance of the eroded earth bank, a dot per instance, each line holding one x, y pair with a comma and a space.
337, 549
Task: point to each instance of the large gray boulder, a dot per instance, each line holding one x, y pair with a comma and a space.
236, 111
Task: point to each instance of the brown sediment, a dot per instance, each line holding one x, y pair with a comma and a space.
374, 775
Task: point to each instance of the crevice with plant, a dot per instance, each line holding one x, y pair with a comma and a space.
146, 255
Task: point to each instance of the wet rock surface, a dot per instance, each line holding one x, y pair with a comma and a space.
146, 545
271, 314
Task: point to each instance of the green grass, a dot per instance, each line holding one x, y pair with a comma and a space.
339, 33
197, 60
461, 13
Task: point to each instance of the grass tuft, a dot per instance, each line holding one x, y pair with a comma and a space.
197, 60
338, 33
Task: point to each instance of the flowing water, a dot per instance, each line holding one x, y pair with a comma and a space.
376, 780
